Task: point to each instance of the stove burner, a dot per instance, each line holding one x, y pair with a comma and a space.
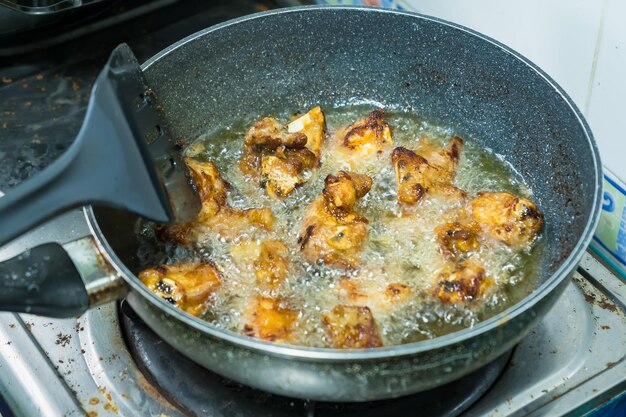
200, 392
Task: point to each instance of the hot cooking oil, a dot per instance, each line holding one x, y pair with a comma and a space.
400, 249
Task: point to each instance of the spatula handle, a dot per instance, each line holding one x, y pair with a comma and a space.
108, 163
41, 197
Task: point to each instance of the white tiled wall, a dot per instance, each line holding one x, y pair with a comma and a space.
606, 108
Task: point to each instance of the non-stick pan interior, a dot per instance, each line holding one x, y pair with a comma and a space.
336, 56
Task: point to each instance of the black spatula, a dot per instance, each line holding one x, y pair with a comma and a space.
123, 157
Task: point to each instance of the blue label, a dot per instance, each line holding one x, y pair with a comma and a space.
608, 202
620, 248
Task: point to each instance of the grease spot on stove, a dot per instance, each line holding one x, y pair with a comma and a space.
63, 339
110, 404
603, 303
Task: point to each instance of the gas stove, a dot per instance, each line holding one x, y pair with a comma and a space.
108, 363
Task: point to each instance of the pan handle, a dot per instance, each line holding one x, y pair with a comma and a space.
59, 280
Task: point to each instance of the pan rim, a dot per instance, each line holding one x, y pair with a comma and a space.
341, 355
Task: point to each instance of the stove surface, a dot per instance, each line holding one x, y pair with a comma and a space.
569, 364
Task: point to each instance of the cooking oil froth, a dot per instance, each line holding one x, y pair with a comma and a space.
398, 249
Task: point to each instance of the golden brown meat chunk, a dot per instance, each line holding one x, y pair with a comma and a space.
269, 260
313, 125
516, 221
467, 282
332, 232
458, 238
409, 169
187, 286
278, 155
208, 181
376, 295
351, 327
363, 141
396, 292
367, 136
429, 169
270, 319
263, 139
445, 159
215, 215
271, 267
281, 172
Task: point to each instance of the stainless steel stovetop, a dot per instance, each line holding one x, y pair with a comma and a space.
570, 364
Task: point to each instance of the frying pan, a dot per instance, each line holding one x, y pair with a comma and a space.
292, 59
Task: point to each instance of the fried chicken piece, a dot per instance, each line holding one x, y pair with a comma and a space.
409, 168
445, 159
279, 155
268, 259
397, 292
208, 182
467, 282
351, 327
362, 141
271, 267
187, 286
342, 191
281, 173
230, 223
428, 169
458, 238
313, 125
270, 319
215, 214
516, 221
367, 136
376, 295
332, 232
263, 137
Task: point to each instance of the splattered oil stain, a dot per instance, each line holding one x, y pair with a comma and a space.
110, 404
63, 339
